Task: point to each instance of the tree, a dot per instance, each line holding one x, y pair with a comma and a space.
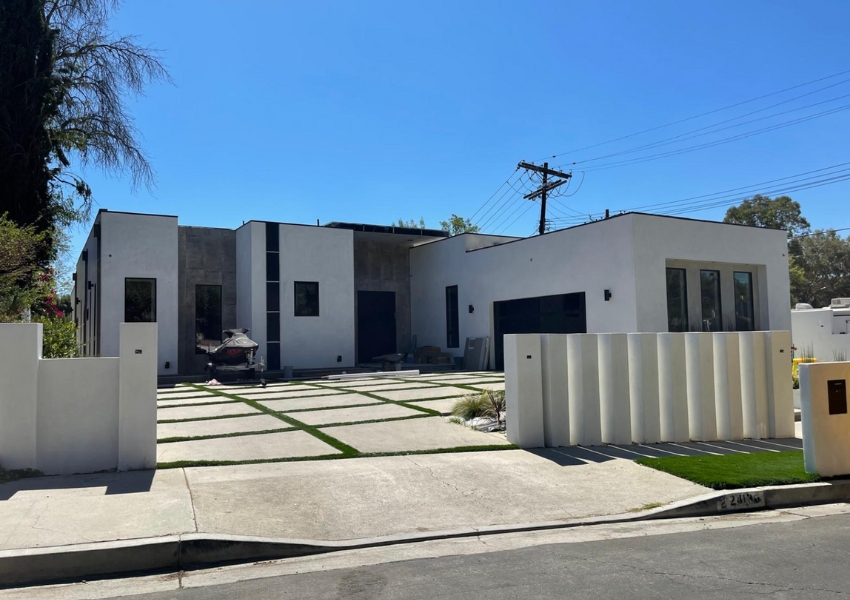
22, 282
411, 224
65, 82
762, 211
456, 225
820, 268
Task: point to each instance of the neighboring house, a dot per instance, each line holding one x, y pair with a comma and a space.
340, 294
822, 333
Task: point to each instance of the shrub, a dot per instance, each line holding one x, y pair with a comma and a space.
497, 405
59, 337
472, 406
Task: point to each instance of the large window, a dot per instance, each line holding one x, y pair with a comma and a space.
744, 313
709, 282
207, 317
677, 300
139, 300
306, 299
452, 321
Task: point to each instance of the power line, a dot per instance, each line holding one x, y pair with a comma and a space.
722, 141
494, 193
711, 112
687, 135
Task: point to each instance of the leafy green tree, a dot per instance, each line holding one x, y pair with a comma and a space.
820, 268
411, 224
59, 336
22, 281
777, 213
66, 79
456, 225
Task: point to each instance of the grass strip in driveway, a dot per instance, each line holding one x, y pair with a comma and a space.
407, 418
167, 406
195, 438
330, 441
206, 418
733, 471
427, 411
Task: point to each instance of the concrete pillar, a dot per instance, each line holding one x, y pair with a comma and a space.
556, 408
760, 374
615, 411
524, 390
807, 414
721, 384
780, 397
699, 357
749, 417
137, 371
672, 388
643, 387
583, 384
733, 375
21, 343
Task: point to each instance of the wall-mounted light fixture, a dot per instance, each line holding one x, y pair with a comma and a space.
607, 295
471, 309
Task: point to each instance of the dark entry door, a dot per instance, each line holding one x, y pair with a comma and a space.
563, 313
375, 325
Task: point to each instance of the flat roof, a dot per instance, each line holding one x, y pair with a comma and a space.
390, 229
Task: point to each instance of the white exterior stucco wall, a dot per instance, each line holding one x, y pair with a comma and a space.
586, 259
812, 330
251, 282
659, 239
324, 255
143, 246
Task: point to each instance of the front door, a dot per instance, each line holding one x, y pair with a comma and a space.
375, 325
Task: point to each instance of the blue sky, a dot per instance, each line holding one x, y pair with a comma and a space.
375, 111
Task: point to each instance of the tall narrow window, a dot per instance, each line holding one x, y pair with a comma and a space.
306, 299
677, 300
207, 317
452, 321
744, 313
139, 300
709, 282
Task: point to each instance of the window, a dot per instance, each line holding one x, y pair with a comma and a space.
306, 299
452, 321
272, 237
677, 300
207, 317
709, 282
744, 313
139, 300
272, 296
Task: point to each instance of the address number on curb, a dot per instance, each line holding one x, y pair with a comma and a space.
740, 501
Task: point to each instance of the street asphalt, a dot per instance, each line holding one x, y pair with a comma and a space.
804, 558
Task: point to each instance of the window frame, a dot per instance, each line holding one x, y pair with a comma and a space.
684, 273
295, 298
452, 317
752, 300
719, 298
199, 350
153, 299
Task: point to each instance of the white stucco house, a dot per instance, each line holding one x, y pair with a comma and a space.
339, 294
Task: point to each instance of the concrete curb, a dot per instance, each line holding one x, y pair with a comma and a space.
198, 550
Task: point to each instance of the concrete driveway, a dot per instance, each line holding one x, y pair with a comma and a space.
234, 424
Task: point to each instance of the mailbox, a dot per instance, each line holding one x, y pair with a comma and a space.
826, 422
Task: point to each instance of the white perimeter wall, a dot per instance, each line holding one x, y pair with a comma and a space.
615, 388
78, 415
585, 259
812, 330
657, 240
139, 246
325, 255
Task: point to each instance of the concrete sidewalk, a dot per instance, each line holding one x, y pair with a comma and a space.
329, 500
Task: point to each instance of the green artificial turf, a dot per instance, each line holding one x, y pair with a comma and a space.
732, 471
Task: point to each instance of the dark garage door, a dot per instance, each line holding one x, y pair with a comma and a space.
375, 325
563, 313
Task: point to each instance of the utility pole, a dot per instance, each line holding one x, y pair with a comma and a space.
545, 188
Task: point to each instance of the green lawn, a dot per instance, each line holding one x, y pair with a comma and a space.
732, 471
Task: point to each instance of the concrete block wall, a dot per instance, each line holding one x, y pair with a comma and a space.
826, 425
78, 415
590, 389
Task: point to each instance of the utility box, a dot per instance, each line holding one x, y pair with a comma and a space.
826, 421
